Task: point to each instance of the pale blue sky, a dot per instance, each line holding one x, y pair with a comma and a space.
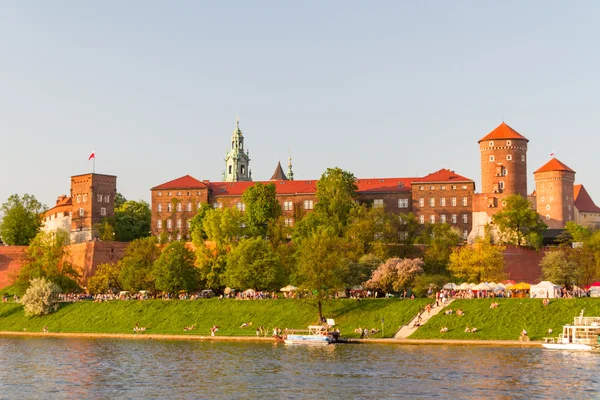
383, 89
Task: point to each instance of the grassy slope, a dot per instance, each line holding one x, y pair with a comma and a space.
170, 317
507, 321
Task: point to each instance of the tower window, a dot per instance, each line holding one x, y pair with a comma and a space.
548, 207
79, 198
103, 211
85, 198
492, 158
501, 185
243, 169
99, 197
548, 216
508, 143
81, 212
230, 170
491, 144
107, 198
509, 157
159, 207
522, 158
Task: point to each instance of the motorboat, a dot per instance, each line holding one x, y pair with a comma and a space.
583, 334
315, 335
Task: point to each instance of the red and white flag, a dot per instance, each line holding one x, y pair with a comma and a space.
552, 154
93, 155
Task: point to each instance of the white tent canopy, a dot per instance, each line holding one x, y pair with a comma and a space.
450, 286
464, 286
544, 289
289, 288
482, 286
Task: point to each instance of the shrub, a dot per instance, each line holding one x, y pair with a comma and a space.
41, 298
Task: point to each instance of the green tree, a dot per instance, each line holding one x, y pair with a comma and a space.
174, 270
132, 220
361, 270
105, 279
119, 200
223, 225
211, 261
254, 264
557, 267
439, 241
196, 225
21, 220
480, 262
41, 298
105, 229
336, 196
262, 208
47, 258
518, 224
322, 265
136, 265
408, 231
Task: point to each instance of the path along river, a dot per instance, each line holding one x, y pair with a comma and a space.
113, 368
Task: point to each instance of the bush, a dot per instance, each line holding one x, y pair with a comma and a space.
41, 298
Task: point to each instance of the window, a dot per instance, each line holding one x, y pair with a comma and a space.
551, 198
169, 224
81, 212
454, 202
504, 171
79, 198
509, 157
178, 193
491, 144
508, 143
169, 207
432, 219
308, 204
217, 205
522, 158
453, 187
443, 202
378, 203
421, 202
85, 198
179, 236
548, 207
465, 234
432, 202
501, 185
107, 198
453, 218
465, 218
243, 170
464, 187
465, 201
288, 222
402, 203
443, 218
159, 207
431, 187
421, 187
179, 207
188, 224
198, 206
189, 207
99, 197
159, 224
421, 219
103, 211
179, 225
548, 216
159, 194
491, 158
288, 206
542, 199
443, 187
188, 194
241, 206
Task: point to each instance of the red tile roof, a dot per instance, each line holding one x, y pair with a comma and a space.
554, 165
65, 203
583, 200
281, 186
384, 185
503, 131
443, 175
185, 182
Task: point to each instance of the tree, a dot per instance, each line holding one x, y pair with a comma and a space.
395, 274
361, 270
21, 220
174, 270
480, 262
262, 208
223, 225
136, 265
518, 224
105, 279
105, 229
119, 200
439, 240
558, 268
253, 264
425, 283
41, 298
322, 265
46, 258
211, 261
196, 225
336, 196
132, 220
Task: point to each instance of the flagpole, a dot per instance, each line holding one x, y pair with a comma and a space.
94, 163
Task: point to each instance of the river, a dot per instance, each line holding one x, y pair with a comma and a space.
111, 369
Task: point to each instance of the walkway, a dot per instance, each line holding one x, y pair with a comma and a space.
408, 329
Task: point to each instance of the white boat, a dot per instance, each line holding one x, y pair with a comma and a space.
581, 335
315, 335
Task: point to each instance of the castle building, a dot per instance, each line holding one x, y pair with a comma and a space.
237, 160
587, 213
92, 199
554, 193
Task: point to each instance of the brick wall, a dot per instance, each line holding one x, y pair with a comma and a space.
523, 264
11, 260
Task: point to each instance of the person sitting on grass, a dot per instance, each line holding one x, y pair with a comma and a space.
549, 331
467, 329
473, 330
448, 312
459, 312
444, 329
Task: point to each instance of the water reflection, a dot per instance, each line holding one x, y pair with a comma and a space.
61, 368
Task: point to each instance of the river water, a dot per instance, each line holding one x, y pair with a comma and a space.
115, 369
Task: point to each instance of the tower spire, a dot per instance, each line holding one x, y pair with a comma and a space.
290, 173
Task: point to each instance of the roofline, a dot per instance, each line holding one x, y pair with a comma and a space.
93, 173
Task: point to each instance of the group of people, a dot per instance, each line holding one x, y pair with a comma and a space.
365, 332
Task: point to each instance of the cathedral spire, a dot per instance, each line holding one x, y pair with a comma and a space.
237, 161
290, 173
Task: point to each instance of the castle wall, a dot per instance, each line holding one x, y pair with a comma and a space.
523, 264
11, 260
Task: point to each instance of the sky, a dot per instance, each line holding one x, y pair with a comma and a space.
378, 88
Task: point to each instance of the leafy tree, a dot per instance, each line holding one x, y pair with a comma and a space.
518, 224
370, 229
408, 231
174, 270
196, 225
223, 225
322, 265
577, 232
132, 220
105, 229
262, 208
439, 240
105, 279
119, 200
46, 258
21, 220
558, 268
361, 270
41, 298
336, 196
480, 262
211, 261
136, 265
253, 264
424, 283
395, 274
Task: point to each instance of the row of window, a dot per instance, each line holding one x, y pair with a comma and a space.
508, 158
465, 202
159, 194
443, 187
102, 211
82, 198
443, 220
178, 223
179, 207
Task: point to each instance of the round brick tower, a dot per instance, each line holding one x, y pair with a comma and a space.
503, 164
554, 193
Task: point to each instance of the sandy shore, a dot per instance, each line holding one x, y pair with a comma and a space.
150, 336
